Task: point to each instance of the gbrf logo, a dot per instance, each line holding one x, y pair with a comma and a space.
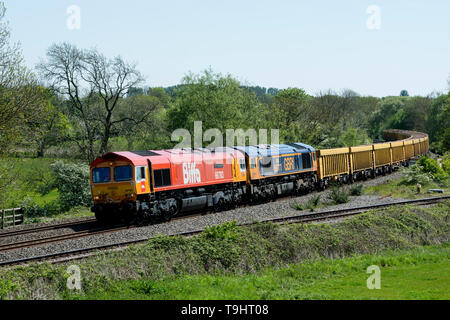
190, 173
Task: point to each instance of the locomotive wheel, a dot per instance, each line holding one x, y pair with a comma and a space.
166, 216
219, 206
101, 217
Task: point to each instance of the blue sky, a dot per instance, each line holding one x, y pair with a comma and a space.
315, 45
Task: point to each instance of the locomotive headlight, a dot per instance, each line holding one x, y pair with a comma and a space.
96, 198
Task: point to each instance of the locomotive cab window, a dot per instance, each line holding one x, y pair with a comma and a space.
218, 165
123, 173
140, 173
266, 162
306, 159
252, 163
162, 178
101, 175
242, 164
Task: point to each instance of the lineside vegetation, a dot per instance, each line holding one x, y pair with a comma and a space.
229, 251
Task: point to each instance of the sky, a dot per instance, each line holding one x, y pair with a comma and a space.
376, 47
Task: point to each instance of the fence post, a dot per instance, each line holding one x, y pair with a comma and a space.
14, 217
3, 219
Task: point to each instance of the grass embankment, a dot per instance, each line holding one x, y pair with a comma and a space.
421, 273
399, 189
260, 261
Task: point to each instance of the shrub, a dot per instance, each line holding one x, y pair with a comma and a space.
313, 203
415, 175
446, 164
32, 209
37, 175
338, 195
72, 181
426, 170
6, 286
144, 287
356, 190
224, 231
298, 206
431, 166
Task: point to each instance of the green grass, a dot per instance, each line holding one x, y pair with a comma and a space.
77, 212
397, 189
43, 199
421, 273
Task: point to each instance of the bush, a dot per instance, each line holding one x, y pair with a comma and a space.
32, 209
338, 195
37, 175
224, 231
415, 175
72, 181
430, 165
446, 164
427, 170
356, 190
313, 203
298, 206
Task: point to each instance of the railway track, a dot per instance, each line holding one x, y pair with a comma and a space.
65, 256
12, 233
88, 228
61, 237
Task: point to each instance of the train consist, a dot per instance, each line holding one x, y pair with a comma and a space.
161, 184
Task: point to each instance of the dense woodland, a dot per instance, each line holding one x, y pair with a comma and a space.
79, 104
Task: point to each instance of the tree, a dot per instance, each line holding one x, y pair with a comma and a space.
22, 100
161, 94
153, 126
404, 93
218, 101
53, 126
94, 86
445, 141
286, 113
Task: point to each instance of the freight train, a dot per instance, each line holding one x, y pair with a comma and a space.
161, 184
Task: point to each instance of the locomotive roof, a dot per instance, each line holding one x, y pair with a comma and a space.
275, 149
168, 155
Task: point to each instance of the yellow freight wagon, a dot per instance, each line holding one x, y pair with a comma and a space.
424, 145
331, 163
382, 154
416, 144
409, 149
361, 158
398, 153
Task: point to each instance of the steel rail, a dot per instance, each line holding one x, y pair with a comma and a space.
45, 228
62, 237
